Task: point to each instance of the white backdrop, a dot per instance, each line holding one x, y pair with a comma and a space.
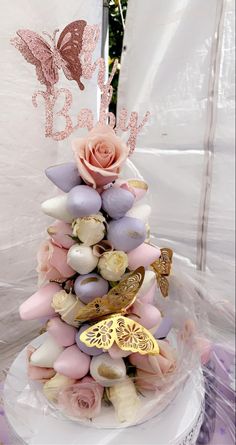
178, 63
25, 153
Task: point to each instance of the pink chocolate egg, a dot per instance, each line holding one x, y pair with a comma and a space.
139, 187
72, 363
63, 333
147, 315
39, 304
61, 233
143, 255
115, 352
136, 186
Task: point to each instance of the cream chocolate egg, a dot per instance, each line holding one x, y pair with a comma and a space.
106, 370
82, 259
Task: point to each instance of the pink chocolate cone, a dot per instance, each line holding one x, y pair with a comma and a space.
115, 352
72, 363
147, 315
39, 304
63, 334
59, 262
143, 255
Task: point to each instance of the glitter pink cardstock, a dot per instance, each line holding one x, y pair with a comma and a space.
73, 53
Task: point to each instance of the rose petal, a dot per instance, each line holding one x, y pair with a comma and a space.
100, 179
104, 153
87, 177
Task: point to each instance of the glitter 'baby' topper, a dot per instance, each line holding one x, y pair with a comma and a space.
73, 53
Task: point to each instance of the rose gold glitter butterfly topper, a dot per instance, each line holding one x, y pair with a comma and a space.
48, 59
73, 53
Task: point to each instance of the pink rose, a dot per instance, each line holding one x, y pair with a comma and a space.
52, 263
151, 370
100, 156
83, 399
35, 372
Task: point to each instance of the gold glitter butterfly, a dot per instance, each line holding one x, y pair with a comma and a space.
118, 299
162, 267
126, 333
114, 326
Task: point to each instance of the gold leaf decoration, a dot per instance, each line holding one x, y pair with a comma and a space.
162, 267
118, 299
126, 333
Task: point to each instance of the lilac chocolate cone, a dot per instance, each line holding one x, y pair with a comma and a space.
64, 176
83, 201
39, 304
126, 233
82, 347
117, 201
164, 328
90, 286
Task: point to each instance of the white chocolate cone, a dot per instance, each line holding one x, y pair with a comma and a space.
124, 398
46, 354
57, 208
148, 284
67, 305
52, 387
140, 211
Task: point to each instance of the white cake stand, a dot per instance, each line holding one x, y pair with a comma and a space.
178, 424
